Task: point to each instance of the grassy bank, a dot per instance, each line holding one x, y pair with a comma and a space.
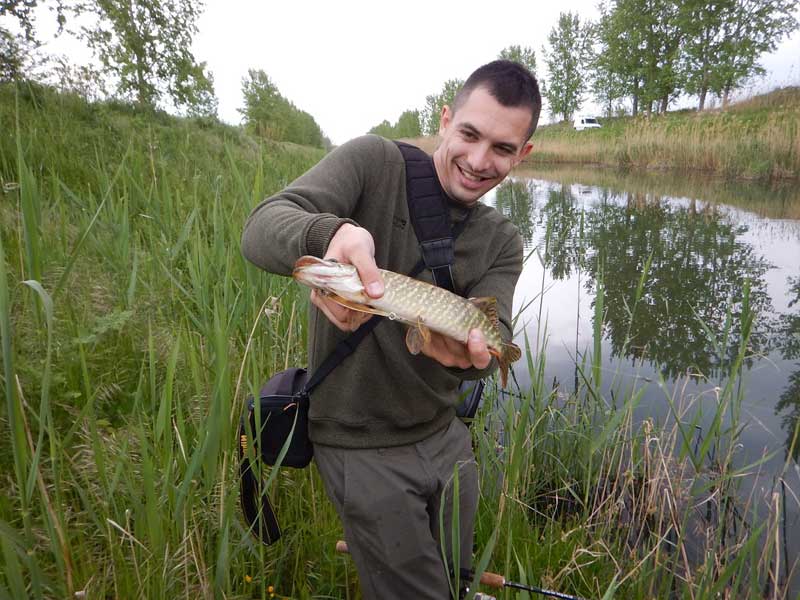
131, 330
758, 138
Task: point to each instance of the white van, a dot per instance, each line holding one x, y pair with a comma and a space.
582, 123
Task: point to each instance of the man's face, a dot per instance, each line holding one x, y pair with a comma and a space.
480, 144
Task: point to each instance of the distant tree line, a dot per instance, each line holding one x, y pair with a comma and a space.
643, 54
407, 126
143, 56
268, 114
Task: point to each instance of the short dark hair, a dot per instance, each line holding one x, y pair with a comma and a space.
510, 83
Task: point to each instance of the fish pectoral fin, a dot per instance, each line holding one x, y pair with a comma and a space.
355, 305
488, 306
414, 341
416, 337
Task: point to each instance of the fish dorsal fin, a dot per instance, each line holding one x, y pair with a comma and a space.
488, 306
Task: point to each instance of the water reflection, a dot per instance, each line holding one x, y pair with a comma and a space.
698, 269
514, 198
702, 251
789, 403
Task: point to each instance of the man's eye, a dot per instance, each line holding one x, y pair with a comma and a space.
468, 135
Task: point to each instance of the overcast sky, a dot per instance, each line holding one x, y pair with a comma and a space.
352, 64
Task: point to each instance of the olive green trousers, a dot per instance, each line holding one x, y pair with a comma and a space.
400, 513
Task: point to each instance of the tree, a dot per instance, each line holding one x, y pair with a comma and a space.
434, 103
566, 61
702, 47
13, 46
384, 128
407, 126
749, 29
642, 39
622, 48
268, 114
262, 105
607, 83
525, 56
22, 12
10, 57
145, 46
663, 36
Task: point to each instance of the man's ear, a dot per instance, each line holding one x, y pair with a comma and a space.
445, 118
524, 151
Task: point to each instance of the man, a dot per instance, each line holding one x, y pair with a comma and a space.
386, 439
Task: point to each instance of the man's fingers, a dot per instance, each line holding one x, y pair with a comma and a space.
368, 273
335, 313
344, 318
354, 245
451, 353
478, 352
447, 352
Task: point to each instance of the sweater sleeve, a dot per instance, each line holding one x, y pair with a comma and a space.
498, 281
303, 217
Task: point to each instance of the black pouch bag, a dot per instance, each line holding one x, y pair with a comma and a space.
283, 412
280, 425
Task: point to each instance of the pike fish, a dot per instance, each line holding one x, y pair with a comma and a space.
420, 305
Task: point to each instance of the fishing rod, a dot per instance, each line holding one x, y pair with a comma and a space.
493, 580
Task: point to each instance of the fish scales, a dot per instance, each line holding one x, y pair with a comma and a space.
413, 301
418, 304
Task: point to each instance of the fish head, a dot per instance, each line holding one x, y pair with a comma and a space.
327, 275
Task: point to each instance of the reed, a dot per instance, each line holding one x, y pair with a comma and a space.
758, 139
132, 329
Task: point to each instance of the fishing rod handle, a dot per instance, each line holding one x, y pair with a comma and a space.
492, 580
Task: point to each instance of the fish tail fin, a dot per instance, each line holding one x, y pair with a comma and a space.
510, 353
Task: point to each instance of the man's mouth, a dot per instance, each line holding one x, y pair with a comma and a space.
472, 177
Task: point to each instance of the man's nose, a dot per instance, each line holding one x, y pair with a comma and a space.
481, 159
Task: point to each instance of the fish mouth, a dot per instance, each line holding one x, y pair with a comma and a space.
305, 264
327, 275
307, 261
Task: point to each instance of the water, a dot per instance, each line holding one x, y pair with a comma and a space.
706, 240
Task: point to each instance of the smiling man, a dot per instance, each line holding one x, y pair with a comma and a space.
387, 441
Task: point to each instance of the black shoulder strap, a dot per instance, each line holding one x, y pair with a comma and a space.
430, 214
430, 218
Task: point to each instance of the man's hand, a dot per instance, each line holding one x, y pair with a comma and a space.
352, 245
451, 353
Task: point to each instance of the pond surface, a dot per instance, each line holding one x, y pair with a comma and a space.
706, 241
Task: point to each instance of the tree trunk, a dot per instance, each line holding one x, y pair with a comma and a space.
664, 104
726, 96
703, 88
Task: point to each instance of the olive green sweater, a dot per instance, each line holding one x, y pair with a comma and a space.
381, 395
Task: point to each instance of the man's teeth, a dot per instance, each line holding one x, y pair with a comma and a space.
470, 176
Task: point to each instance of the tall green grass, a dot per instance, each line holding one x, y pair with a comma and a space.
132, 329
